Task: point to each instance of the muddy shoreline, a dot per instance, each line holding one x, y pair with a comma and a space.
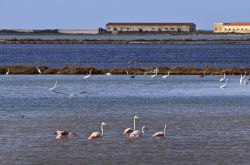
82, 70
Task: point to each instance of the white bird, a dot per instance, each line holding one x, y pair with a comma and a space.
245, 81
108, 74
138, 133
8, 71
88, 74
224, 85
156, 72
126, 71
160, 135
223, 78
242, 78
53, 86
165, 76
77, 93
63, 134
69, 95
38, 70
127, 131
95, 135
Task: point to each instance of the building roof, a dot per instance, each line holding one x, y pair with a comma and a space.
147, 24
237, 24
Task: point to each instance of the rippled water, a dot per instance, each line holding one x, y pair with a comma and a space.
205, 125
118, 55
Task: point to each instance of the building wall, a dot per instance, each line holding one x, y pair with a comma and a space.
231, 28
149, 28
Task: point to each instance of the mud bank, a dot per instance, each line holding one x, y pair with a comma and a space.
81, 70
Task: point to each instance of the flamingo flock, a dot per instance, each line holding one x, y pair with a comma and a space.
130, 133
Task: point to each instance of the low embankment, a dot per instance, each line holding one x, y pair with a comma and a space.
137, 41
78, 70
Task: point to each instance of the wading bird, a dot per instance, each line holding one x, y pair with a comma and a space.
96, 135
63, 134
128, 131
88, 74
165, 76
224, 85
69, 95
242, 79
156, 72
245, 81
138, 133
223, 78
53, 87
38, 70
160, 135
8, 71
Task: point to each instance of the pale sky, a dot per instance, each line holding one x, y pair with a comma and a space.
91, 14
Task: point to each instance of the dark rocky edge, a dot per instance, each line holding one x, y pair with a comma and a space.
82, 70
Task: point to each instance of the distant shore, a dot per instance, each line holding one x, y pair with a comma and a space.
167, 42
81, 70
124, 39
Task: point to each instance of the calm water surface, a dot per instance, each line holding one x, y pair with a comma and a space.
205, 125
109, 56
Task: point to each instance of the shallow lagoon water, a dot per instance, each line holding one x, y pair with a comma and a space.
205, 125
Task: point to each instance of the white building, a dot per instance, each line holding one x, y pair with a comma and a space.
236, 27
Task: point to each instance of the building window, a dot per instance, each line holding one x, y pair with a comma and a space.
115, 29
127, 28
108, 28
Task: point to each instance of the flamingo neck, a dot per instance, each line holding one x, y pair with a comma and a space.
142, 130
134, 123
164, 131
102, 129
